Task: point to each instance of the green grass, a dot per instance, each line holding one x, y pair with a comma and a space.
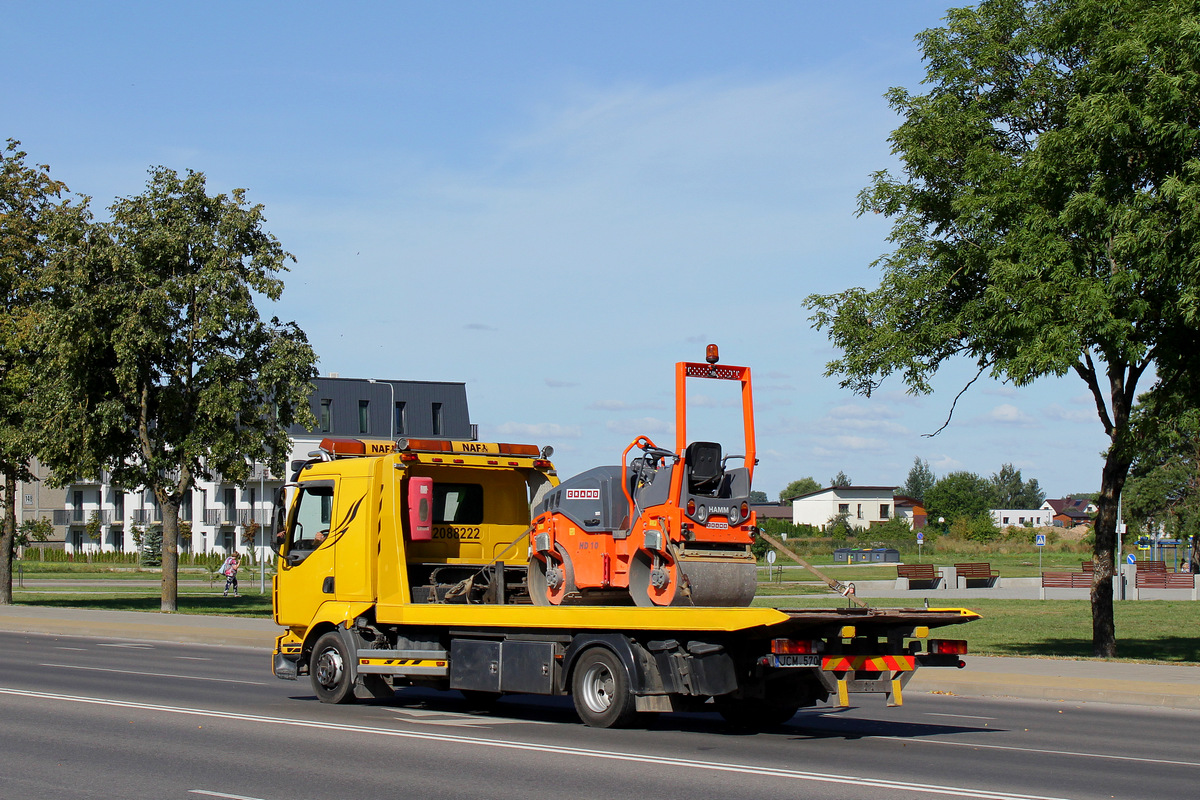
248, 605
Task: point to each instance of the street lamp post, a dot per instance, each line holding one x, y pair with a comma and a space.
391, 408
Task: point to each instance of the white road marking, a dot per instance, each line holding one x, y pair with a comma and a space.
192, 658
154, 674
1042, 751
81, 649
424, 716
957, 716
573, 752
207, 793
130, 644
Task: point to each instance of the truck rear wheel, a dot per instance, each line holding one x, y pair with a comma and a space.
330, 667
600, 689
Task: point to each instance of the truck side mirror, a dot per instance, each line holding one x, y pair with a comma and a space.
420, 509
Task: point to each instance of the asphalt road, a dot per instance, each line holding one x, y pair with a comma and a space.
110, 718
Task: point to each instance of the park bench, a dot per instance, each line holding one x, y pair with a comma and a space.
980, 572
1165, 580
924, 574
1066, 580
1150, 566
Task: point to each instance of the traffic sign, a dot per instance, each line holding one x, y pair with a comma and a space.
1130, 559
920, 537
1040, 540
770, 556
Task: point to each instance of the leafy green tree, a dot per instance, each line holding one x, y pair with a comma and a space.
1009, 490
34, 530
1046, 220
1164, 481
759, 497
841, 479
920, 479
958, 495
197, 382
798, 487
31, 203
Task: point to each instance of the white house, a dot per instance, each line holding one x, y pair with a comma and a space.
862, 505
1024, 517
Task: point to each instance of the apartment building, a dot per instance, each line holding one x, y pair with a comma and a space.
91, 514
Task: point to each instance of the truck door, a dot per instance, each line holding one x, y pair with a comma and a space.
306, 571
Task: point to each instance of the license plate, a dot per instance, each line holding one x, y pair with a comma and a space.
797, 661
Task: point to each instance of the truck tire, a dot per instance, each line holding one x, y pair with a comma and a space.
601, 691
330, 668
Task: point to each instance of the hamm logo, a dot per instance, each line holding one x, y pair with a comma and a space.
583, 494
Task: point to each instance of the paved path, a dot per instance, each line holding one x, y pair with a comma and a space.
985, 676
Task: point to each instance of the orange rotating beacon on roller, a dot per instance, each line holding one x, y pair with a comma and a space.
667, 528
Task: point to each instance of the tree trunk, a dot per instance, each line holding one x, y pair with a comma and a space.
170, 552
1104, 637
8, 534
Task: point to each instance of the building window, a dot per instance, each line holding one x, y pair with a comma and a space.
884, 510
860, 516
364, 416
77, 510
326, 415
437, 419
400, 418
230, 504
843, 508
119, 506
185, 508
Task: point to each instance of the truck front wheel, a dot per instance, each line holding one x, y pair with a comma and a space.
600, 689
330, 670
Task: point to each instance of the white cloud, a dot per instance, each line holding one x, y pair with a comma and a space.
1056, 413
635, 427
1008, 414
621, 405
541, 430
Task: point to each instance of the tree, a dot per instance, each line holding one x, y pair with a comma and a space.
920, 479
841, 479
959, 494
1010, 491
197, 382
1047, 221
30, 204
799, 487
1164, 481
759, 497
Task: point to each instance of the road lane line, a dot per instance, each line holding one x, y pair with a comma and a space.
957, 716
207, 793
550, 749
1042, 751
154, 674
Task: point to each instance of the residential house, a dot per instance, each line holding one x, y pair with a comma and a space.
863, 506
1029, 518
911, 510
1068, 512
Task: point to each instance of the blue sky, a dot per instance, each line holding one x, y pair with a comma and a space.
551, 201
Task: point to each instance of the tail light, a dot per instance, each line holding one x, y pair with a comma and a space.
948, 647
691, 507
801, 647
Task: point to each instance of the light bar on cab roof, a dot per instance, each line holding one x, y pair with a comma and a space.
343, 447
469, 448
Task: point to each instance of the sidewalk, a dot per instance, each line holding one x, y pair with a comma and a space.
1066, 680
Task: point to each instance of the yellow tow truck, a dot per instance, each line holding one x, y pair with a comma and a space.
404, 563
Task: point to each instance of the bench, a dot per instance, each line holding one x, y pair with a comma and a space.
924, 574
978, 572
1165, 580
1066, 580
1150, 566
